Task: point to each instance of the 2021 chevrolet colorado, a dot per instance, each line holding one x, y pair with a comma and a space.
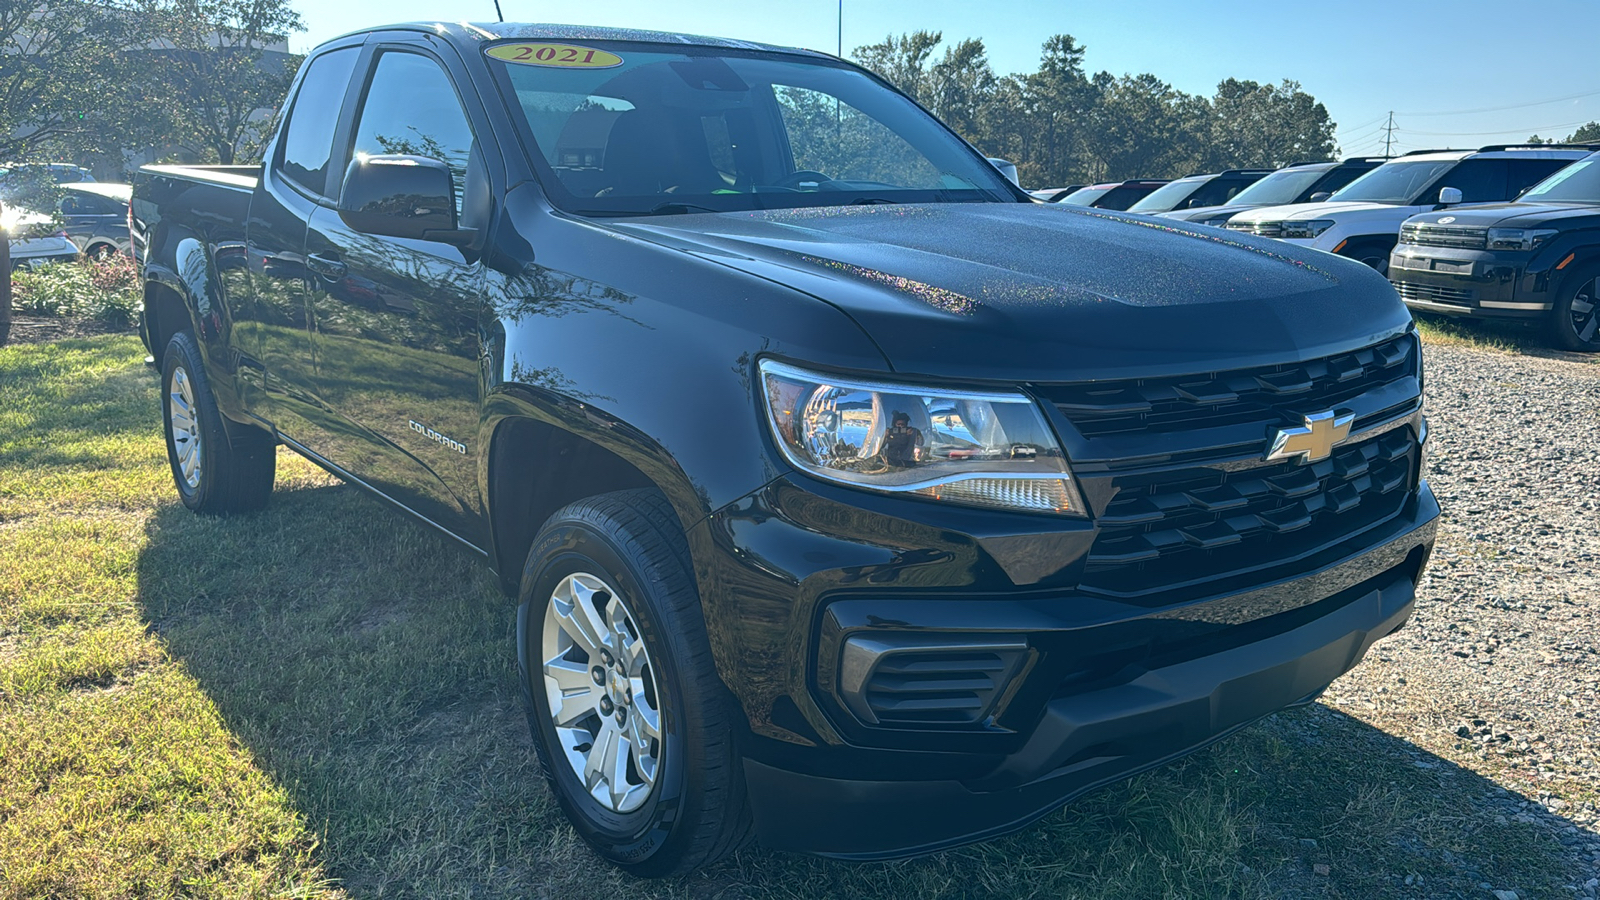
852, 500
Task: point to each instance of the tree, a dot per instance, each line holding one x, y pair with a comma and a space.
59, 62
1267, 126
902, 60
1588, 134
210, 82
1142, 127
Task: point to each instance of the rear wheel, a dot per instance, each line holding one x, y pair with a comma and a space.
633, 727
1575, 320
217, 469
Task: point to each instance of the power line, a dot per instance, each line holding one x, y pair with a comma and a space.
1484, 109
1360, 127
1533, 130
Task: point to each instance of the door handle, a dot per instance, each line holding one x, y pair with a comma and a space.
328, 267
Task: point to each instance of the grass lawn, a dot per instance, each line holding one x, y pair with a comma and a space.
318, 701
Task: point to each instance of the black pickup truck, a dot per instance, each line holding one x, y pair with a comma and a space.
1536, 258
852, 501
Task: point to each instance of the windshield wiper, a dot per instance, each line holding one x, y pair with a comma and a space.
678, 207
870, 201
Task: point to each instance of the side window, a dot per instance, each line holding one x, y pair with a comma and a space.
308, 142
1340, 177
1215, 193
1526, 173
1480, 180
412, 108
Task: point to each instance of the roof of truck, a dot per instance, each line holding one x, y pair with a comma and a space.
495, 31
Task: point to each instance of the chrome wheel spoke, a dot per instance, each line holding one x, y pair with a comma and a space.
571, 690
579, 619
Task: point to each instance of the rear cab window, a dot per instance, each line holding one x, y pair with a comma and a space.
313, 118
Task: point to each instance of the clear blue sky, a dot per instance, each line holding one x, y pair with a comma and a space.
1456, 74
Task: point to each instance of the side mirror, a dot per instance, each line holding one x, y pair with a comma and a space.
1195, 204
1006, 167
1449, 196
400, 196
1318, 197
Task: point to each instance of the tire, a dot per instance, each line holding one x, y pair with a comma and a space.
678, 803
100, 252
1374, 254
217, 469
1575, 319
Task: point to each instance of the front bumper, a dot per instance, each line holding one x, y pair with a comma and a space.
1480, 283
1235, 659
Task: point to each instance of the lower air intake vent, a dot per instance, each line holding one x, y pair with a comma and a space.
926, 680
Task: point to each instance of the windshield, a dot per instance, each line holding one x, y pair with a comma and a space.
1577, 183
1086, 196
1168, 196
644, 129
1398, 182
1281, 187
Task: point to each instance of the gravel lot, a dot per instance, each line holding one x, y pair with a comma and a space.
1499, 671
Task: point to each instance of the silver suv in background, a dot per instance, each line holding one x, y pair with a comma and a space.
1362, 221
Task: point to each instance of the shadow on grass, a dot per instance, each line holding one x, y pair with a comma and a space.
367, 665
108, 396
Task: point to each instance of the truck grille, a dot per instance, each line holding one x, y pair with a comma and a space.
1260, 229
1461, 237
1270, 395
1189, 524
1430, 293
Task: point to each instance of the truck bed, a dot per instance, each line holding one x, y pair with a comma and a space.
234, 176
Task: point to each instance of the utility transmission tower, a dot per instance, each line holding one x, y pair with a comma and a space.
1388, 136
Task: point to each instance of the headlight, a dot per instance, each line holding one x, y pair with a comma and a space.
978, 449
1307, 229
1217, 221
1519, 238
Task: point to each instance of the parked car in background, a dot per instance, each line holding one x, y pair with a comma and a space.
34, 238
1362, 221
1537, 258
1309, 182
95, 216
1118, 195
1051, 195
1197, 191
58, 173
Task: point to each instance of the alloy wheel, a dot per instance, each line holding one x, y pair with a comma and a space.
602, 692
184, 418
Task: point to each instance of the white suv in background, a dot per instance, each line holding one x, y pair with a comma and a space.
1362, 220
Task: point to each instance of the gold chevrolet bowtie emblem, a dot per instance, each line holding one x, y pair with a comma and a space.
1314, 440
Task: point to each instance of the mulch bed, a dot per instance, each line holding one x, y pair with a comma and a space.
44, 329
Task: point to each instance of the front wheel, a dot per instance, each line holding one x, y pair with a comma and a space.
1575, 320
633, 727
217, 469
1374, 254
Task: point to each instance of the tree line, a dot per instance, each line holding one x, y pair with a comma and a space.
91, 78
1061, 125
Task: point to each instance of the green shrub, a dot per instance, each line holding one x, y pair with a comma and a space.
106, 291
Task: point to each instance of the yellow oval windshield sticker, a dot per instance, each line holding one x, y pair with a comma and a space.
561, 56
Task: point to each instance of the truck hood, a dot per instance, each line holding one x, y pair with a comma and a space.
1515, 215
1026, 292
